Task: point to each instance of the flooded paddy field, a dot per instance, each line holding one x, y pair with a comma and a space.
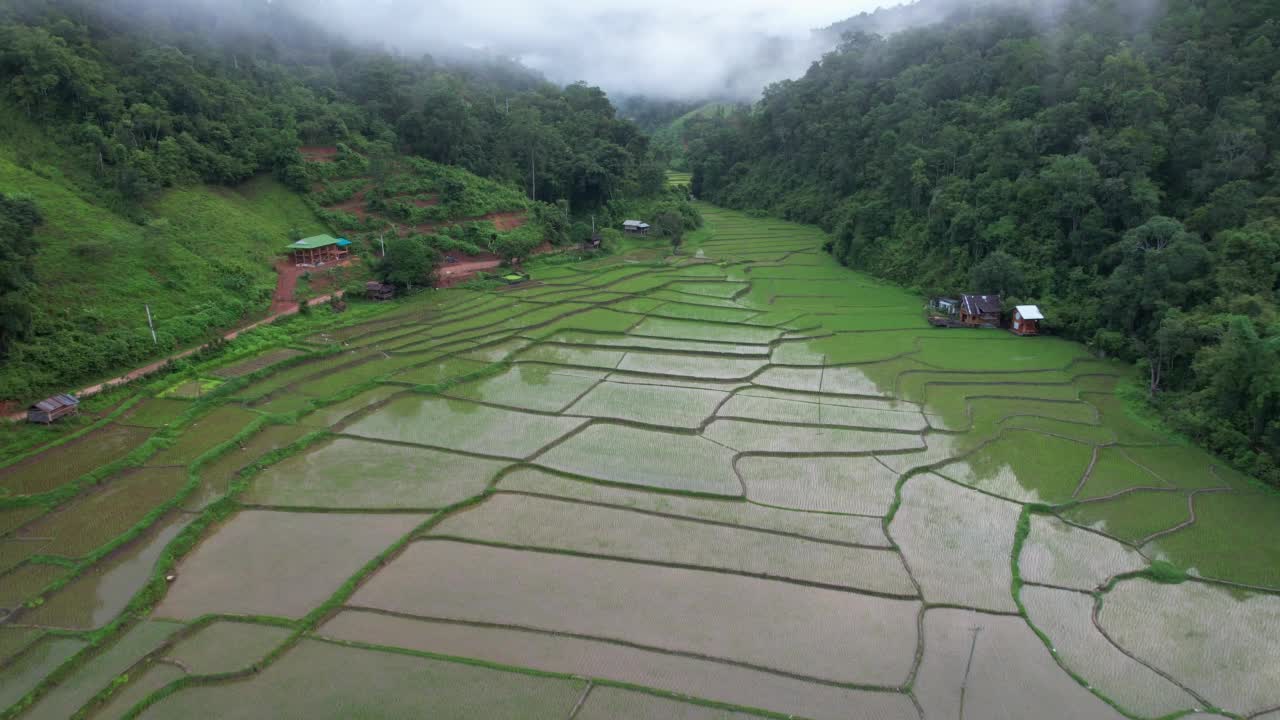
740, 482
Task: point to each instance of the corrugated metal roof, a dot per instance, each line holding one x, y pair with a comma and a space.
635, 223
1030, 312
57, 402
313, 243
981, 304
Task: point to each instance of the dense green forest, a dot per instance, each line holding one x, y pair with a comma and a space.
671, 142
1115, 162
164, 94
19, 217
145, 126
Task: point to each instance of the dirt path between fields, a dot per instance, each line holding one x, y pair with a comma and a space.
283, 304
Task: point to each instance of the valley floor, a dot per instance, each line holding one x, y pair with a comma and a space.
743, 482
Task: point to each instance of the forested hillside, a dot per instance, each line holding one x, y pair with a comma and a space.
1114, 162
146, 135
671, 141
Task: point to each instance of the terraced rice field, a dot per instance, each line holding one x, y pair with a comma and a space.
742, 482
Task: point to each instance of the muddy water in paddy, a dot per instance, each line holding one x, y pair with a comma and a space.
216, 477
28, 669
681, 674
733, 480
316, 677
354, 473
279, 564
97, 597
820, 633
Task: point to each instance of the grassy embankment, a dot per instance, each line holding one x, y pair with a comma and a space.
201, 257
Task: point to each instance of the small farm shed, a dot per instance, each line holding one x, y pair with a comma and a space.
943, 312
379, 291
980, 310
1026, 320
319, 250
58, 406
593, 243
948, 307
636, 227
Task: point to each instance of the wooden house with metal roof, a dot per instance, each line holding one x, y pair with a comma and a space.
1026, 320
636, 227
319, 250
980, 310
54, 408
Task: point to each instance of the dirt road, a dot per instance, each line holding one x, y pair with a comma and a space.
285, 310
456, 273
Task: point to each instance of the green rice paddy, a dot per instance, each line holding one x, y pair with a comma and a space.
741, 483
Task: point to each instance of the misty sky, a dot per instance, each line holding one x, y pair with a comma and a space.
666, 48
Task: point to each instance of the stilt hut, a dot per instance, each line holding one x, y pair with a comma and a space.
635, 227
980, 310
54, 408
1026, 320
379, 291
319, 250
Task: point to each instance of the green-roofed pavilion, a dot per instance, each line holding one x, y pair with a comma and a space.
319, 250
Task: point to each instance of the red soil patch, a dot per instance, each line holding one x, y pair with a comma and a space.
354, 205
451, 274
462, 258
502, 222
505, 222
323, 282
457, 273
319, 153
287, 275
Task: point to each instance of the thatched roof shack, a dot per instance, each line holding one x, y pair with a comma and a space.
54, 408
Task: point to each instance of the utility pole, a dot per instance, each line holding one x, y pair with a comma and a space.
383, 243
822, 380
151, 324
964, 684
533, 177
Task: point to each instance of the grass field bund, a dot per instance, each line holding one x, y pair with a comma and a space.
739, 482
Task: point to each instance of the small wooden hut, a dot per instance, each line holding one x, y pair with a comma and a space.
319, 250
54, 408
980, 310
1026, 320
635, 227
379, 291
943, 312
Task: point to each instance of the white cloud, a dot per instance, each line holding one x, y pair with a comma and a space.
666, 48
